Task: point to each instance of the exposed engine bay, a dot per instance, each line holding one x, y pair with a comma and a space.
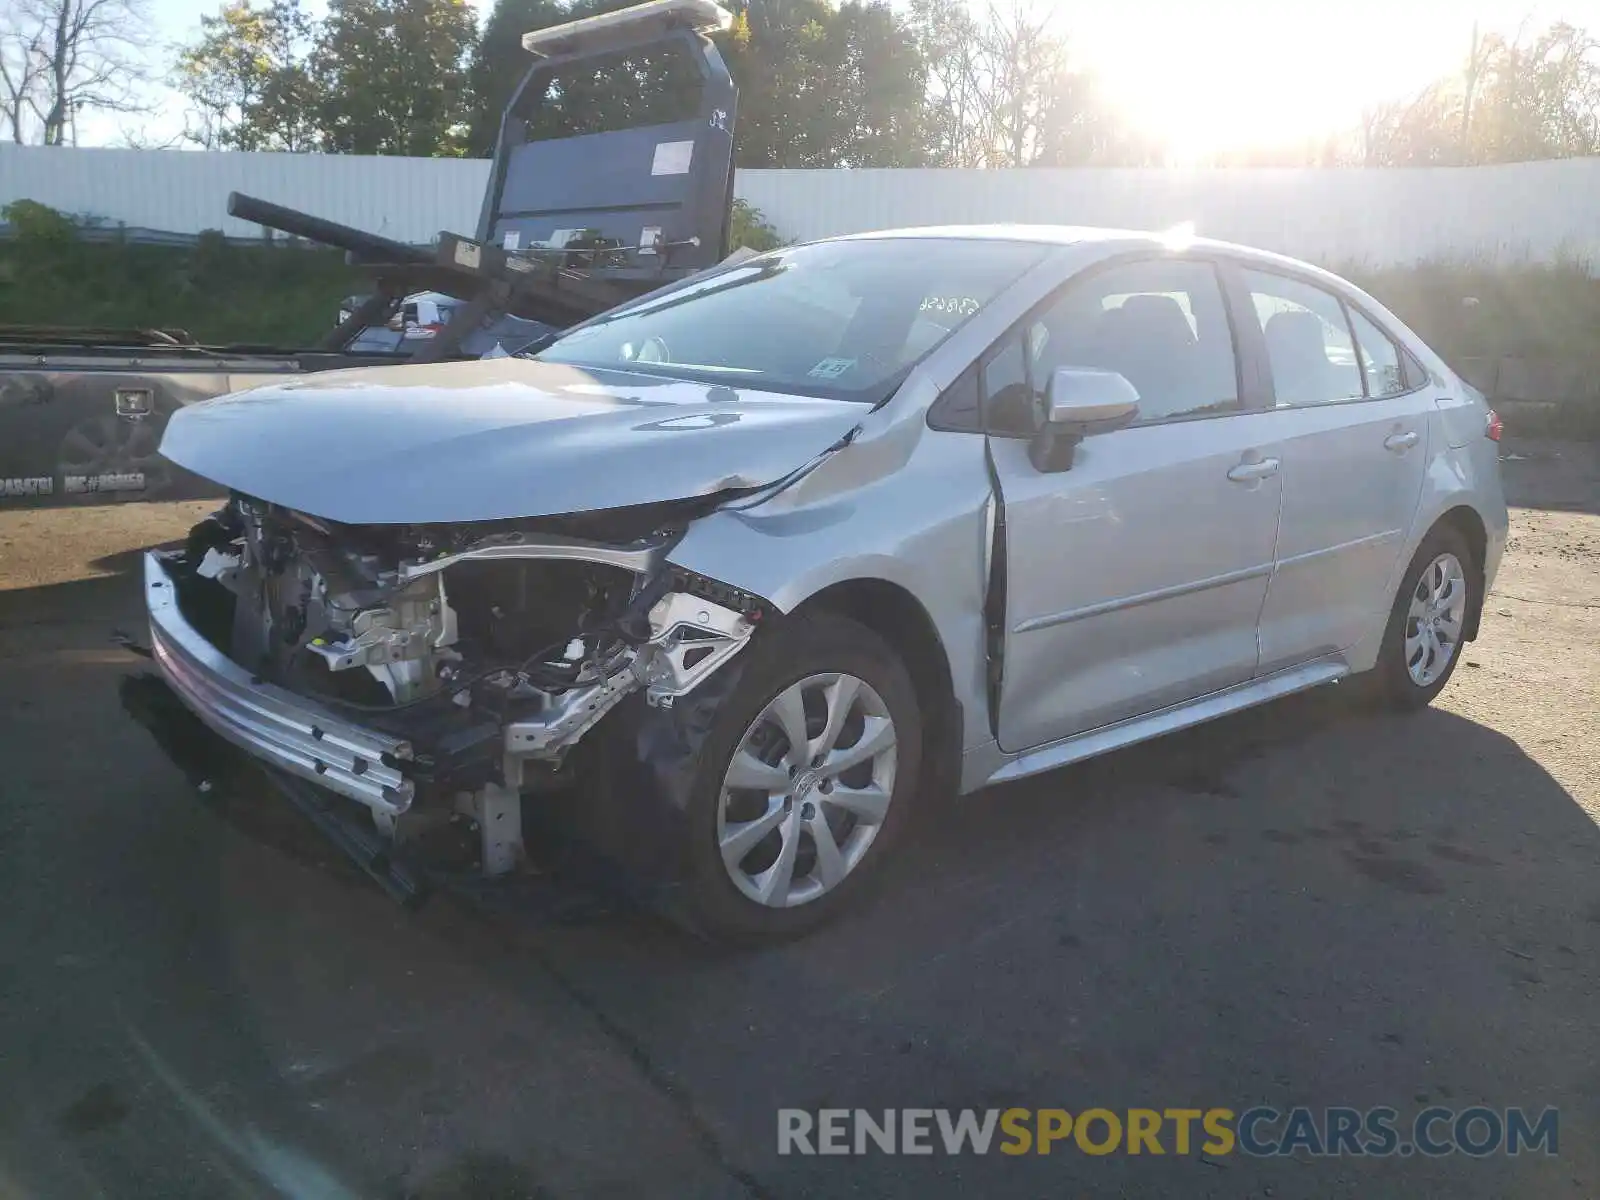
493, 648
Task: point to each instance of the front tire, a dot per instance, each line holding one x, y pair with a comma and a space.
805, 780
1424, 638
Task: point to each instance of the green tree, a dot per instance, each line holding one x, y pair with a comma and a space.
248, 81
818, 85
821, 86
499, 62
751, 229
392, 75
652, 85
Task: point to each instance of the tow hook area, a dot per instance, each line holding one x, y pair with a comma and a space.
500, 723
218, 771
571, 881
364, 847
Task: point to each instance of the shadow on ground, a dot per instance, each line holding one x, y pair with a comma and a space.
1562, 476
1300, 905
1303, 904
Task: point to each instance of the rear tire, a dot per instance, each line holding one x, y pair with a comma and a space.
785, 837
1423, 640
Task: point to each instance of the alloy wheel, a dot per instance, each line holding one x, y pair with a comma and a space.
807, 790
1435, 619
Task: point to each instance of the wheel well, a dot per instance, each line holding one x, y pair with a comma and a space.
895, 615
1470, 525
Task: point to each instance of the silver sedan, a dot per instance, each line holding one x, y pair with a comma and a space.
763, 559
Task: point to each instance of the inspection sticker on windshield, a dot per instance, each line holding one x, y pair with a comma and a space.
831, 368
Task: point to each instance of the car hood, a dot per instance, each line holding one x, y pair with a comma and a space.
497, 438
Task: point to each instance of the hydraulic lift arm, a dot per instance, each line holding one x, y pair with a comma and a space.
573, 224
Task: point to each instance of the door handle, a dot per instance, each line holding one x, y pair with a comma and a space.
1250, 472
1399, 443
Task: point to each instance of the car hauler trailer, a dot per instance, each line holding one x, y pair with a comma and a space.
578, 217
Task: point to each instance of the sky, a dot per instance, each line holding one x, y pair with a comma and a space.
1204, 75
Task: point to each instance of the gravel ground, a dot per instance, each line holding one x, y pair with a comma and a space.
1304, 904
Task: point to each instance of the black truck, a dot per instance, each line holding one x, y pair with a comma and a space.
579, 216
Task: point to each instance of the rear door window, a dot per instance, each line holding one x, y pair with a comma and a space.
1415, 373
1380, 358
1309, 347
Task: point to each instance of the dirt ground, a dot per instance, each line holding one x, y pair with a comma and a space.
1304, 904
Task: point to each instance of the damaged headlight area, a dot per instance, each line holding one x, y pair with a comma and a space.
490, 649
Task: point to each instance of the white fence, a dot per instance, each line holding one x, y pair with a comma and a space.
407, 199
1539, 212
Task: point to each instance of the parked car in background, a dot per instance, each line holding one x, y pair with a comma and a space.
759, 558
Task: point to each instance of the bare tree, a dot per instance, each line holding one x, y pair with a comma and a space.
1519, 98
63, 57
1422, 131
949, 38
140, 138
991, 80
21, 67
1540, 98
1477, 60
1002, 91
1026, 62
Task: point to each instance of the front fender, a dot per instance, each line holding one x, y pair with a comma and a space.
907, 508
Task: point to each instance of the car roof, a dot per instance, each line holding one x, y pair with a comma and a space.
1055, 235
1104, 242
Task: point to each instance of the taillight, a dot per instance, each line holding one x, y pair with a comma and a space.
1494, 427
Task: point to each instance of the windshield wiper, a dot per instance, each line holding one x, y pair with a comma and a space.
539, 344
651, 307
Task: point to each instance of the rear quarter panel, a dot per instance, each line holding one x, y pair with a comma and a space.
1457, 476
1464, 465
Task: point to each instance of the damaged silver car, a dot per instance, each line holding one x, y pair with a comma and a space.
748, 564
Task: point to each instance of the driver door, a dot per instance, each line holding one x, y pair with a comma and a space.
1135, 578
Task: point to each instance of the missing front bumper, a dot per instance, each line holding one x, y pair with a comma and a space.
280, 728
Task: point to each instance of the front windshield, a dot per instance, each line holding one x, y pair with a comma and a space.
839, 319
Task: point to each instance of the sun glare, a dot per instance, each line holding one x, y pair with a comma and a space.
1220, 77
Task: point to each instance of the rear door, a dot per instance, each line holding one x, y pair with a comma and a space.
1135, 577
1351, 417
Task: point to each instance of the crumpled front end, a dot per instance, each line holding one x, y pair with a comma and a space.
430, 672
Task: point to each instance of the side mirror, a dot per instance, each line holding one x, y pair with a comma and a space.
1078, 402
